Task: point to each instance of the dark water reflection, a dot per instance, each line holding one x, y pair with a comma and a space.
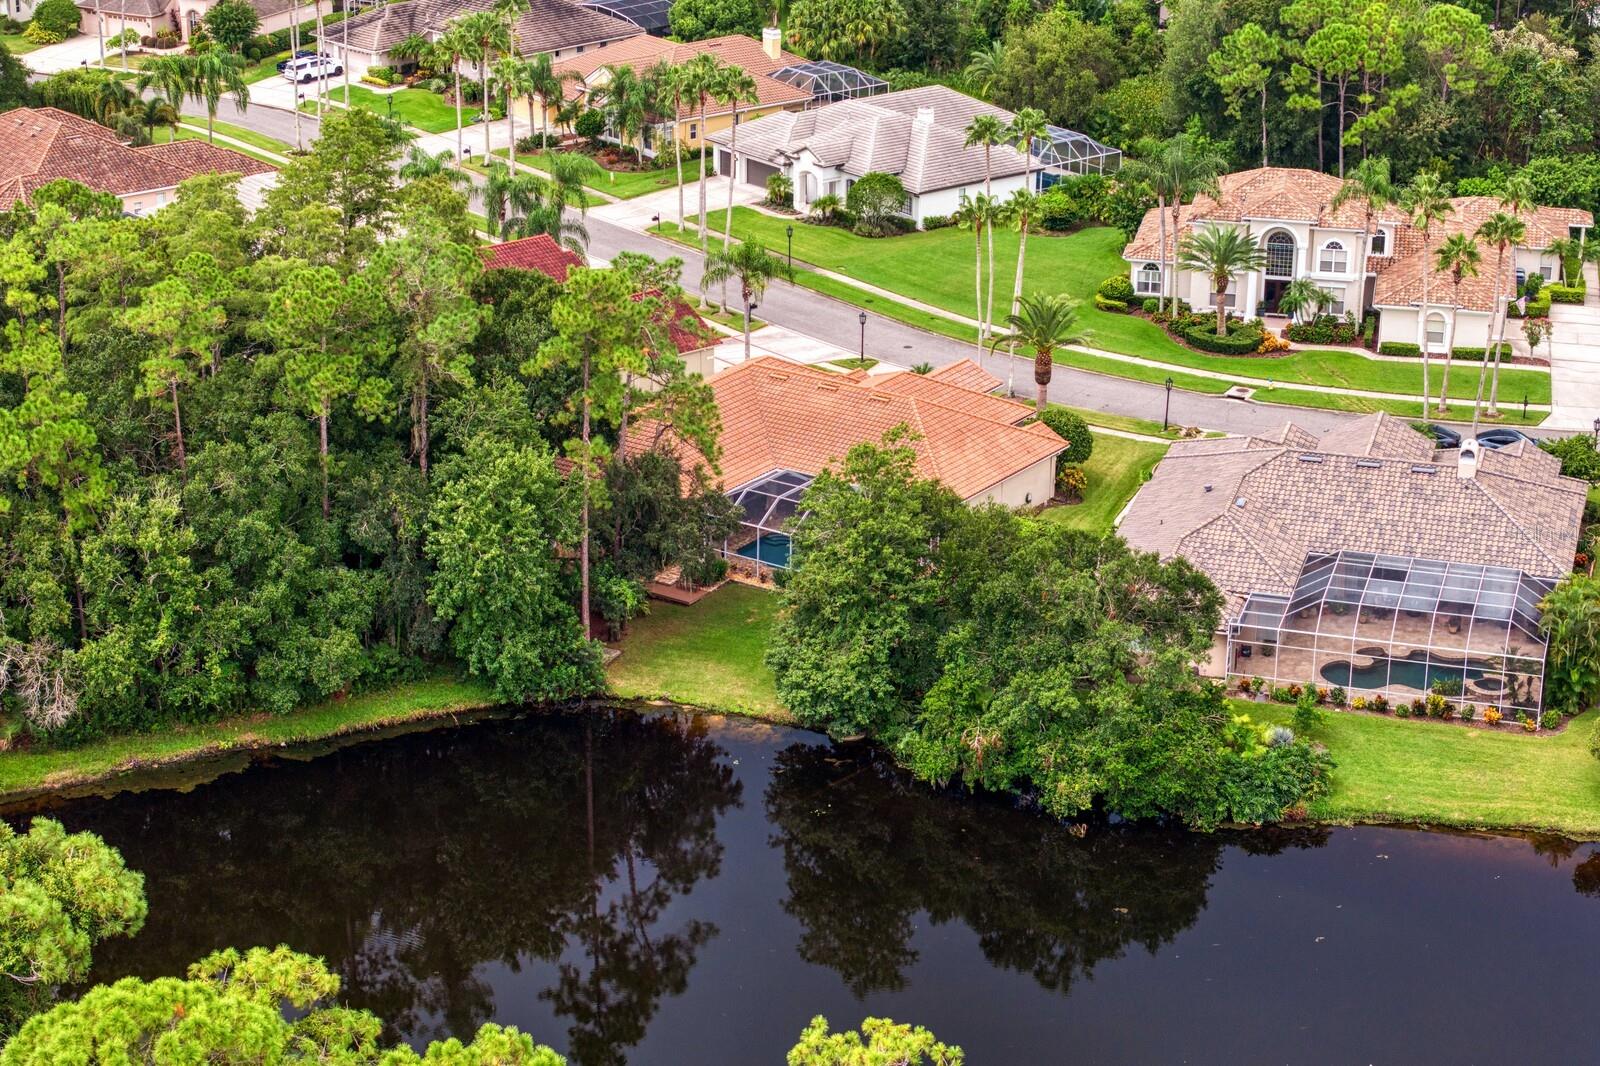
675, 889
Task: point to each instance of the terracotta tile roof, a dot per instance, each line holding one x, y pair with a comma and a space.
1294, 195
42, 144
735, 50
967, 374
782, 415
539, 252
937, 390
688, 331
548, 25
1248, 515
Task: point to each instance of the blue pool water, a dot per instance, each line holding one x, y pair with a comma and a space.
1412, 672
770, 549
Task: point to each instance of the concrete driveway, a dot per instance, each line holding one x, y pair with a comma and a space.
1574, 367
73, 52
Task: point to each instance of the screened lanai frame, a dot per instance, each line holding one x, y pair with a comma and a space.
1062, 151
1397, 626
829, 82
652, 16
768, 502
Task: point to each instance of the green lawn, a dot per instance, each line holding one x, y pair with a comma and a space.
1406, 769
17, 44
266, 68
1116, 469
937, 268
621, 184
28, 771
1126, 423
419, 108
708, 655
193, 127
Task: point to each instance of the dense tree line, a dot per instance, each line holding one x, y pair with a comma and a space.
1013, 654
255, 461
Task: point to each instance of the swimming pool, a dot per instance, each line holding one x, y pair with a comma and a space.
1414, 672
770, 549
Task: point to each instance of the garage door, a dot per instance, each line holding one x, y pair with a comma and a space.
758, 173
722, 161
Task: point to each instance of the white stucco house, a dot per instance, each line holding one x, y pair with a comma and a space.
1289, 212
918, 135
150, 17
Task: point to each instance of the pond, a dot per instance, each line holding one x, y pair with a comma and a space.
673, 889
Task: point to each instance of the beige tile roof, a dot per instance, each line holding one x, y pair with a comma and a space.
1294, 195
782, 415
546, 26
42, 144
884, 133
1248, 515
736, 50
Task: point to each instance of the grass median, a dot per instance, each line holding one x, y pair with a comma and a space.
1115, 470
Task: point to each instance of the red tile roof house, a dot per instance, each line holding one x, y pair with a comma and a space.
783, 422
696, 342
1290, 212
42, 144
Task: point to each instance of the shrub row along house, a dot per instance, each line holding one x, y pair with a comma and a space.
783, 81
1289, 213
918, 135
39, 145
1368, 559
182, 17
783, 422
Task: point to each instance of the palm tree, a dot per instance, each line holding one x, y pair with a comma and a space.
1459, 257
1186, 169
1044, 322
705, 73
1503, 231
1425, 201
153, 111
1516, 197
988, 131
1301, 295
447, 52
1369, 185
415, 48
486, 34
674, 84
735, 87
985, 66
1027, 126
1019, 211
217, 73
111, 99
753, 266
625, 101
517, 84
1566, 249
172, 77
1220, 252
419, 164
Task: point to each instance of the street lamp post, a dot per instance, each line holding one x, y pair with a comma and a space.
789, 229
389, 99
1167, 411
862, 318
1597, 431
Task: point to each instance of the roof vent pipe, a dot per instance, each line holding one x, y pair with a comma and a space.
924, 116
1467, 461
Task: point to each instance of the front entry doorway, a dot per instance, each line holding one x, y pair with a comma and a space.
1271, 293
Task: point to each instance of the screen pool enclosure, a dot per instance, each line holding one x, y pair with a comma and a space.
1061, 152
652, 16
768, 502
829, 82
1399, 627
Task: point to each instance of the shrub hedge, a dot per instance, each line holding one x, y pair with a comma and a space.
1072, 429
1325, 329
1538, 306
1117, 287
1243, 338
1412, 351
1105, 303
1563, 294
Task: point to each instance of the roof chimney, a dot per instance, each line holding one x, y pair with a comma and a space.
924, 117
772, 43
1467, 461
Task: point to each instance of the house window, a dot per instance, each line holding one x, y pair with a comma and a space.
1435, 332
1333, 259
1147, 281
1547, 272
693, 130
1280, 255
1380, 243
1335, 304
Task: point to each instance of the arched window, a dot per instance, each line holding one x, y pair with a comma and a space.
1147, 281
1333, 259
1280, 255
1380, 242
1435, 332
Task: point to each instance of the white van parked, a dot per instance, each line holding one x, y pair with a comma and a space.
311, 68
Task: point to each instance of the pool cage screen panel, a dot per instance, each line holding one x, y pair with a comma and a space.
1402, 628
649, 15
1063, 151
829, 82
768, 502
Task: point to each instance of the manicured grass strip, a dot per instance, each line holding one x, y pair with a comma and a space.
620, 184
1337, 402
706, 655
1116, 469
1406, 769
937, 268
1126, 423
426, 111
17, 44
27, 771
241, 133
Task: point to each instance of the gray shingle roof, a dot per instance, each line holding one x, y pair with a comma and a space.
1247, 510
545, 27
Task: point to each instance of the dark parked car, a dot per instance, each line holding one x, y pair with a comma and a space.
304, 53
1443, 436
1502, 437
